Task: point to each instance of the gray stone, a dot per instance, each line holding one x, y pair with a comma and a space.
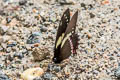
3, 76
34, 38
117, 72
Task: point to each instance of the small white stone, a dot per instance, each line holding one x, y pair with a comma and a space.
32, 73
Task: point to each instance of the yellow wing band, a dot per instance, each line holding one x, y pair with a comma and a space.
65, 39
59, 40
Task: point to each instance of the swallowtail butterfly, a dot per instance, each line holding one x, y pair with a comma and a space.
66, 39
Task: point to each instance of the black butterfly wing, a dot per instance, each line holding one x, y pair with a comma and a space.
63, 25
70, 40
72, 24
60, 33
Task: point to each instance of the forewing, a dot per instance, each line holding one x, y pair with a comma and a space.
60, 34
70, 29
62, 27
72, 24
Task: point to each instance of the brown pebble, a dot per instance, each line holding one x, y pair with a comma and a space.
36, 44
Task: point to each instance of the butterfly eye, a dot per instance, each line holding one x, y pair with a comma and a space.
55, 59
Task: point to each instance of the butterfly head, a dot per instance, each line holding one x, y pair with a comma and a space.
56, 58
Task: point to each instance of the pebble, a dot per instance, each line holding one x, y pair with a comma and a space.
11, 43
37, 78
43, 29
54, 68
18, 55
8, 50
22, 2
40, 53
117, 73
28, 47
3, 76
91, 15
13, 22
48, 76
57, 69
3, 29
4, 45
83, 5
34, 38
32, 73
42, 13
8, 20
5, 38
67, 70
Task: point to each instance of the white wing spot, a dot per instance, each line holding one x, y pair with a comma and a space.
67, 21
65, 17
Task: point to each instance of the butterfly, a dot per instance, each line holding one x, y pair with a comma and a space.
66, 40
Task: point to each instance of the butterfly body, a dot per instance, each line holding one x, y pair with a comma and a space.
66, 39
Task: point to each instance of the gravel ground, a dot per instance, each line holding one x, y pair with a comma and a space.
26, 24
